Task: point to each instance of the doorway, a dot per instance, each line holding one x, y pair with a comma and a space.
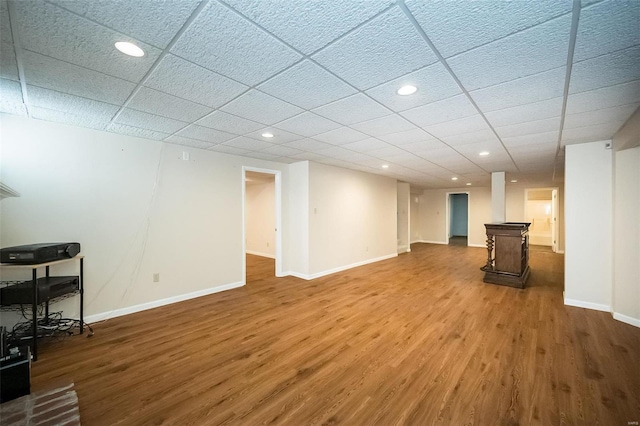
261, 207
458, 219
541, 210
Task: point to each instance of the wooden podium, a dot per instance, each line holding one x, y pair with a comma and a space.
508, 254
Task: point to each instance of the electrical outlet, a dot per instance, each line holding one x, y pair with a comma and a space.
156, 277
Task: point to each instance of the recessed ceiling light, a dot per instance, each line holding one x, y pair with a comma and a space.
468, 183
385, 166
484, 153
129, 49
454, 178
407, 90
514, 181
267, 135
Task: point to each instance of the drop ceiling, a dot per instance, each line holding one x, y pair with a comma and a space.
518, 79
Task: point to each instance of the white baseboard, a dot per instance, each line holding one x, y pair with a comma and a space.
403, 249
587, 305
157, 303
626, 319
477, 245
340, 268
257, 253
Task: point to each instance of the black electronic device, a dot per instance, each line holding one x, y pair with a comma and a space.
15, 374
48, 288
31, 254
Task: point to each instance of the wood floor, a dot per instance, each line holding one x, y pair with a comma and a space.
416, 340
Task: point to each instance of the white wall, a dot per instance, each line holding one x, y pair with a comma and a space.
404, 212
588, 229
135, 206
352, 218
414, 216
260, 219
626, 237
299, 219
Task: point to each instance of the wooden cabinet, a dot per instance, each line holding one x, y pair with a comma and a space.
508, 254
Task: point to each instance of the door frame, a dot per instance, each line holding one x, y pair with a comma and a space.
447, 229
278, 210
555, 192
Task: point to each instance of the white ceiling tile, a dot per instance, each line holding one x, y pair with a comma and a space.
260, 107
248, 143
228, 150
384, 125
441, 111
606, 70
401, 157
600, 116
180, 140
307, 85
433, 82
538, 138
474, 123
229, 123
482, 135
143, 120
151, 21
544, 147
366, 145
371, 54
309, 25
341, 136
525, 53
279, 136
534, 88
8, 64
220, 40
309, 156
606, 27
51, 31
407, 137
442, 153
308, 124
11, 99
606, 97
160, 103
308, 145
499, 166
44, 71
531, 127
422, 146
528, 112
335, 152
264, 156
596, 132
205, 134
457, 26
472, 151
69, 109
5, 25
192, 82
353, 109
387, 153
136, 131
281, 151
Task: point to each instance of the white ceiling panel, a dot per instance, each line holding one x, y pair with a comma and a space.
533, 88
279, 136
596, 132
530, 127
353, 109
51, 31
11, 99
607, 97
229, 150
457, 26
606, 27
44, 71
192, 82
223, 42
419, 147
474, 123
193, 143
229, 123
483, 135
205, 134
248, 143
384, 125
370, 54
281, 150
407, 137
70, 109
335, 152
136, 131
606, 70
472, 151
600, 116
341, 136
144, 120
160, 103
8, 64
307, 85
5, 25
308, 144
525, 53
151, 21
308, 124
523, 150
534, 139
265, 156
367, 145
387, 153
257, 106
441, 111
433, 82
523, 113
90, 120
309, 156
309, 25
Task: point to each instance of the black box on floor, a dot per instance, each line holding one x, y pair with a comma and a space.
15, 375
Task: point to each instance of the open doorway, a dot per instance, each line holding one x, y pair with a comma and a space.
458, 218
261, 221
541, 210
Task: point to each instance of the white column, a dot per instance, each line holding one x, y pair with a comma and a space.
498, 203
